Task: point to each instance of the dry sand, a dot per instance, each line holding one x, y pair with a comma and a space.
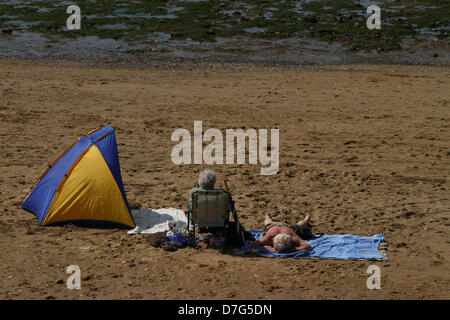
364, 149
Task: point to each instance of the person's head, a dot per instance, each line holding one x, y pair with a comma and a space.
207, 179
282, 242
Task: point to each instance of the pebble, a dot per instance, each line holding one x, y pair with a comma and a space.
7, 30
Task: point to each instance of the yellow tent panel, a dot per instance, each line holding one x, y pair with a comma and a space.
75, 200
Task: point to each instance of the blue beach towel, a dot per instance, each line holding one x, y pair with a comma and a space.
346, 247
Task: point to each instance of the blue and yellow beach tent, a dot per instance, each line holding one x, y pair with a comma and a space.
83, 184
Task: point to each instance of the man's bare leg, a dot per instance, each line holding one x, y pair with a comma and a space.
268, 219
304, 221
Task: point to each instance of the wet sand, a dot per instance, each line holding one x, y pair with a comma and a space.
363, 148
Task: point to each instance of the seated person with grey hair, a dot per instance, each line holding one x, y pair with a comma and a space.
206, 181
284, 236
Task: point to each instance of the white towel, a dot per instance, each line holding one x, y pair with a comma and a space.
157, 220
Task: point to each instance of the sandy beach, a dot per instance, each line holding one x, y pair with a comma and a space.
364, 149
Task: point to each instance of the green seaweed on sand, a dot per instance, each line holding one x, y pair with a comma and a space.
342, 21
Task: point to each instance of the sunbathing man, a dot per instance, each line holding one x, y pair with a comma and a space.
284, 236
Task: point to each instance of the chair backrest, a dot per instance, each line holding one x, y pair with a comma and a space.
210, 208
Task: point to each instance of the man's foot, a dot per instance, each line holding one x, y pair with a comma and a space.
304, 221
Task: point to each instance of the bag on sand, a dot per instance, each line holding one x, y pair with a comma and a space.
235, 234
156, 239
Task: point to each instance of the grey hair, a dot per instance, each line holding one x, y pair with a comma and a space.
282, 241
207, 179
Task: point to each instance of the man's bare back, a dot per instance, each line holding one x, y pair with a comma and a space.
266, 241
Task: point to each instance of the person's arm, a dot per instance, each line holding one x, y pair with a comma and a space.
271, 249
258, 245
266, 240
303, 245
190, 195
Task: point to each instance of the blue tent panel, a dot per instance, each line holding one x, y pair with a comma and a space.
42, 196
96, 135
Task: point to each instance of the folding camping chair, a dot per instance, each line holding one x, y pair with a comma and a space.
210, 208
